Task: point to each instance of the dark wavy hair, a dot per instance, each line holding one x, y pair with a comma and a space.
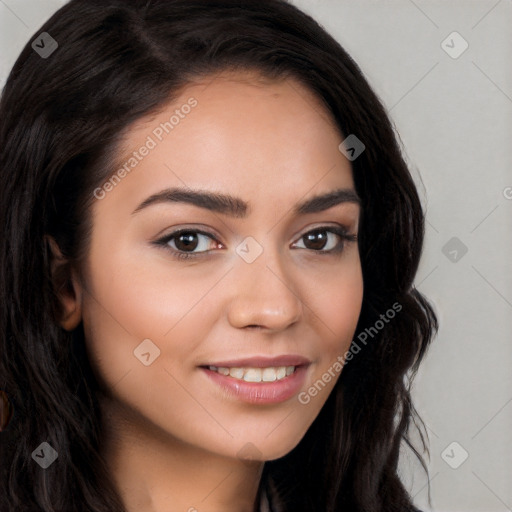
62, 119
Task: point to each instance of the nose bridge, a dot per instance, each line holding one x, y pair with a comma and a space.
265, 292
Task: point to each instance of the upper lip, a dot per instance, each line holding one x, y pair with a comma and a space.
262, 362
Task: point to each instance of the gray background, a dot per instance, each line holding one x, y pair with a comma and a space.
454, 116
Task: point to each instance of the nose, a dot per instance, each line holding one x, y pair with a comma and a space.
264, 295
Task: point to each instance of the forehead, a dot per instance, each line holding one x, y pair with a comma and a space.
241, 133
245, 107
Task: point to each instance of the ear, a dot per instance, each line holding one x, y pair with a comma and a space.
67, 288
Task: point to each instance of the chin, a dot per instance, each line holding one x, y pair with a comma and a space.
266, 449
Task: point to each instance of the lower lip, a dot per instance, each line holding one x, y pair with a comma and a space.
261, 392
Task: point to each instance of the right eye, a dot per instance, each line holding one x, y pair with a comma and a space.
183, 242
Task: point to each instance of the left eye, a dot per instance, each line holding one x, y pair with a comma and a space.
321, 239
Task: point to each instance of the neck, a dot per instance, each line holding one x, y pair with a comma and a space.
156, 472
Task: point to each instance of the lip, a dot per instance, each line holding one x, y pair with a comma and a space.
261, 393
262, 362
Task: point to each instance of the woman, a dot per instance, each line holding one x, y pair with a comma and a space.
210, 241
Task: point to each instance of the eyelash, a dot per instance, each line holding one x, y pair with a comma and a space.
340, 231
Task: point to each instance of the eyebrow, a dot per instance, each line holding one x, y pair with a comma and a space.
238, 208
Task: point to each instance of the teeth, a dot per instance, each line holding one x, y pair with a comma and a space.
237, 373
269, 375
252, 375
256, 374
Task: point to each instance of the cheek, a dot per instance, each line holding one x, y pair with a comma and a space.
335, 309
144, 298
133, 299
337, 304
139, 311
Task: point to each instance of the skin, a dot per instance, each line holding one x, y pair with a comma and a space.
173, 439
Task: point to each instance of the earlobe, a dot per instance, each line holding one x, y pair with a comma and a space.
67, 288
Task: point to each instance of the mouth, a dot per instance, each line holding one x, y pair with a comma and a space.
259, 380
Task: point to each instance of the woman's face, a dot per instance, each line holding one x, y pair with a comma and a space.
256, 299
